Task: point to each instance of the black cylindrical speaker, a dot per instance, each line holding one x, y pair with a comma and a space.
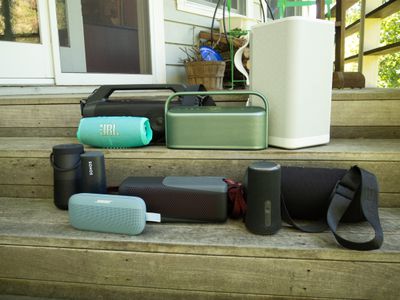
263, 191
93, 173
66, 162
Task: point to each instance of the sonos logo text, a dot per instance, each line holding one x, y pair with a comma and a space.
108, 130
90, 168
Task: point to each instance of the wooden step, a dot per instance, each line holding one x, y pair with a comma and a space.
26, 170
44, 256
367, 113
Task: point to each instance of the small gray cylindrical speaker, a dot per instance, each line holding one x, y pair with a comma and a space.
93, 173
263, 190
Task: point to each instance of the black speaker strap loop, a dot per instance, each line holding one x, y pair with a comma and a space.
314, 227
356, 185
57, 168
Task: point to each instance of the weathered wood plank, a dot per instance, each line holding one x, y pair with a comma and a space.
62, 115
209, 273
365, 94
368, 132
366, 113
46, 191
94, 291
25, 161
38, 132
37, 171
337, 149
45, 225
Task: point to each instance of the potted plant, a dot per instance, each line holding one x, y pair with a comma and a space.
210, 73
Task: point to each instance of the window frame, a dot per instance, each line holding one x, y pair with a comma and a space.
157, 50
208, 11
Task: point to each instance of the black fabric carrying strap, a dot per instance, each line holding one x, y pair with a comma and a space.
357, 185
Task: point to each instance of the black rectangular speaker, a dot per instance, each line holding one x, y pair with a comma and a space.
181, 199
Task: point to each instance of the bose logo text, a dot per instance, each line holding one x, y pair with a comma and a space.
103, 201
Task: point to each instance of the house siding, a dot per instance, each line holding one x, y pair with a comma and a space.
182, 30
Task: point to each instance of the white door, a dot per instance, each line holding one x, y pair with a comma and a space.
107, 42
72, 47
25, 48
81, 42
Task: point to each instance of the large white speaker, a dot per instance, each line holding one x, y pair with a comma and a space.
292, 65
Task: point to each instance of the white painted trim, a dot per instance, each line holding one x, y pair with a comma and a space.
26, 81
41, 90
208, 11
157, 41
28, 60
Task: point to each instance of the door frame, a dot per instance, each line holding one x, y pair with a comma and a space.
54, 76
36, 65
157, 50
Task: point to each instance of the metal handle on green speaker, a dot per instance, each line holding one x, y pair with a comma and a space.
209, 93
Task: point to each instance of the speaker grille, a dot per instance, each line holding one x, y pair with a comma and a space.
107, 219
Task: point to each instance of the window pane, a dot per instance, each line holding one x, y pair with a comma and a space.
19, 21
238, 6
104, 36
62, 23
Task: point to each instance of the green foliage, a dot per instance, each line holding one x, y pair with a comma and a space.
237, 32
389, 65
389, 71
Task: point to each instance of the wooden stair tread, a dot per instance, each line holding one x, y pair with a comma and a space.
44, 255
46, 226
337, 149
367, 113
26, 171
337, 95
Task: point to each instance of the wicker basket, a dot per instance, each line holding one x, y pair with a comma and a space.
208, 73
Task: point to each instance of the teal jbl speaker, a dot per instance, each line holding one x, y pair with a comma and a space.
115, 132
109, 213
216, 127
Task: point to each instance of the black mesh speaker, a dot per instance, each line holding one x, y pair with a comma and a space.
263, 190
181, 199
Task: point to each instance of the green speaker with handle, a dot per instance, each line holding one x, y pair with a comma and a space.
216, 127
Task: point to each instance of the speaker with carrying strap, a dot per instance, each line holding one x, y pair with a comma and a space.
332, 196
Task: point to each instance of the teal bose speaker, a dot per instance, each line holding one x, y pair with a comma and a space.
216, 127
109, 213
115, 132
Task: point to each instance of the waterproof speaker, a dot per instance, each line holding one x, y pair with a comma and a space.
107, 213
216, 127
263, 193
93, 173
181, 199
115, 132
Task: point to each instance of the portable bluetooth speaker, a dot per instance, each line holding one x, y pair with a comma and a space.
108, 213
216, 127
263, 191
99, 103
93, 173
66, 162
114, 132
181, 199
